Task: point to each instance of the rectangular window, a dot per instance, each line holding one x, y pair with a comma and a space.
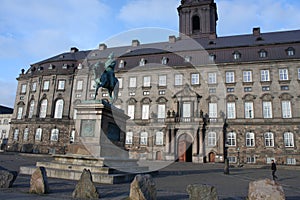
291, 161
79, 85
264, 75
231, 159
61, 84
146, 93
213, 110
54, 135
145, 111
132, 82
247, 76
231, 110
178, 79
147, 81
46, 85
144, 138
249, 111
161, 111
93, 85
212, 78
129, 136
131, 93
159, 138
286, 109
284, 87
130, 111
186, 110
33, 86
16, 134
120, 82
230, 77
162, 80
162, 92
230, 89
23, 88
267, 109
20, 113
283, 74
247, 89
212, 90
195, 79
25, 135
251, 159
265, 88
298, 73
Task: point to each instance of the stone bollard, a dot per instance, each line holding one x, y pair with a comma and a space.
142, 188
85, 188
39, 182
7, 178
202, 192
265, 189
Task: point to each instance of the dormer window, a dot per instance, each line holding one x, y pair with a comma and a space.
142, 62
263, 53
237, 55
51, 66
187, 59
79, 66
40, 68
212, 57
290, 51
164, 60
122, 64
65, 66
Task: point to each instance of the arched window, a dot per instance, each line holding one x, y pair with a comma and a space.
25, 135
43, 108
54, 134
144, 138
129, 136
250, 139
269, 139
212, 139
196, 23
288, 139
231, 139
31, 109
59, 107
38, 134
16, 134
159, 138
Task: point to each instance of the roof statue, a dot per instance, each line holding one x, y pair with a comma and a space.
107, 79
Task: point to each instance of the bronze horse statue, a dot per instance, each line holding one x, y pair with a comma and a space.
107, 79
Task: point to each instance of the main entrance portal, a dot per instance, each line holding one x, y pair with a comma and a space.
185, 144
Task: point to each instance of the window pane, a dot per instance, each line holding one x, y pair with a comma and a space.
286, 109
20, 113
283, 74
265, 75
43, 108
38, 134
61, 85
144, 138
162, 80
231, 139
46, 85
186, 110
289, 139
147, 81
129, 136
130, 112
31, 109
229, 77
59, 107
159, 139
178, 79
231, 110
212, 78
145, 112
247, 76
250, 141
249, 112
195, 79
267, 109
132, 82
54, 135
211, 139
79, 85
213, 111
161, 111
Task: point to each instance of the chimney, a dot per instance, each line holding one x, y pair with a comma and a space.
135, 43
172, 39
102, 47
73, 49
256, 31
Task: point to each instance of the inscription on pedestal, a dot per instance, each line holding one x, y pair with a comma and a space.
87, 128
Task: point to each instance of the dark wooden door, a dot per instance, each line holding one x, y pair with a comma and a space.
212, 157
181, 151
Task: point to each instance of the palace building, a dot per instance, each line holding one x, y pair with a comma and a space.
197, 97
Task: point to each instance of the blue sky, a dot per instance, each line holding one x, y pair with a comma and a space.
33, 30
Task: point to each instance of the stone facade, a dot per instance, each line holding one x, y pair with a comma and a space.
200, 98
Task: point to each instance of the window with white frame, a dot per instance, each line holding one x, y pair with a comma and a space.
186, 110
283, 74
236, 55
286, 109
162, 80
267, 109
164, 60
23, 88
93, 85
231, 159
247, 76
212, 78
43, 108
130, 111
31, 109
61, 84
25, 134
38, 134
147, 81
269, 139
33, 86
144, 138
231, 139
16, 134
195, 80
229, 77
121, 64
161, 111
129, 138
212, 139
178, 79
159, 138
120, 82
142, 62
20, 113
288, 139
79, 85
264, 75
213, 110
231, 110
251, 159
250, 139
54, 134
59, 108
249, 111
262, 54
46, 85
145, 111
291, 161
132, 82
290, 51
298, 73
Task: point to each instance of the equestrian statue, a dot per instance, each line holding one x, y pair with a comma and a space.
107, 79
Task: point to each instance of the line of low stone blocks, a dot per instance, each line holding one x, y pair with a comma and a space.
142, 187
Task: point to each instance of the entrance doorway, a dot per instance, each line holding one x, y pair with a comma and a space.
212, 157
159, 155
185, 148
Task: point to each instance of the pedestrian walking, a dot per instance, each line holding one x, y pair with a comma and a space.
274, 168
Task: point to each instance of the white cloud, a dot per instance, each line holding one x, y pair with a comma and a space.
157, 13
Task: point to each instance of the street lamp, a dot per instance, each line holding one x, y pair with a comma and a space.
226, 162
238, 157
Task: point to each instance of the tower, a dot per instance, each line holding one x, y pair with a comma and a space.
198, 18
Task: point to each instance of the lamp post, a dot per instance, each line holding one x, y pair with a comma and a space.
226, 162
238, 157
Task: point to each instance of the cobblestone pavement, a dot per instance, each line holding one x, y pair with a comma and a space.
171, 181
